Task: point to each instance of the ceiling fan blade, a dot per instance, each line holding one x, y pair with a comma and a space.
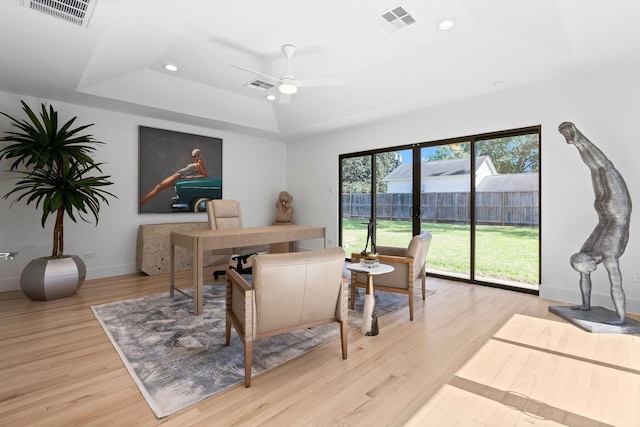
240, 67
323, 81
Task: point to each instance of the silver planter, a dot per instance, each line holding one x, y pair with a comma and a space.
47, 278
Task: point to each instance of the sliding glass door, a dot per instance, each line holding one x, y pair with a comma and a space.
507, 233
381, 183
394, 198
445, 206
356, 202
479, 197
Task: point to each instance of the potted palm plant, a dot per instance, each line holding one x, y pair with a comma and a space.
58, 173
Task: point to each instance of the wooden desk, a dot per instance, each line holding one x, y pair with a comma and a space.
203, 240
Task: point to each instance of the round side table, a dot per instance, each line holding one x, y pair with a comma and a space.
369, 298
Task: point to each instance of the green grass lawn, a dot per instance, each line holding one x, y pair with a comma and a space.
502, 252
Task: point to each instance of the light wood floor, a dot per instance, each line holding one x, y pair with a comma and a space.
58, 368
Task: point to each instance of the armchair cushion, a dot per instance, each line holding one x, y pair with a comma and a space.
418, 249
391, 250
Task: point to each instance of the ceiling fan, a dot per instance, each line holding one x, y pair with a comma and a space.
287, 83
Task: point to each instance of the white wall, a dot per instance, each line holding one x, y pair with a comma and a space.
605, 107
254, 172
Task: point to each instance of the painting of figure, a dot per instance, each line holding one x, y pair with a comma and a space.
178, 172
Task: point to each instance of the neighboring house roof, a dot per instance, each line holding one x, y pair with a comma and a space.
509, 182
438, 168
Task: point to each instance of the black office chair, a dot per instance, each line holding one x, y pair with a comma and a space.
241, 265
225, 214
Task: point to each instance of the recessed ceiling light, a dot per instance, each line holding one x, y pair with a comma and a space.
446, 24
170, 67
271, 97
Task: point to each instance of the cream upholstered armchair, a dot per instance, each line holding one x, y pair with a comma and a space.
409, 269
226, 214
289, 291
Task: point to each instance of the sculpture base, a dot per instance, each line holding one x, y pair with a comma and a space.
593, 320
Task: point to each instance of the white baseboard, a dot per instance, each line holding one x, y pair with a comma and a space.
112, 270
13, 283
572, 296
10, 284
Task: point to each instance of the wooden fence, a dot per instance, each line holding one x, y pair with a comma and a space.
494, 208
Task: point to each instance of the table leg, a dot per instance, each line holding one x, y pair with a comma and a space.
369, 319
198, 261
172, 284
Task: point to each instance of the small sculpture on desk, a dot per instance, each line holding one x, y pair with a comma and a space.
284, 211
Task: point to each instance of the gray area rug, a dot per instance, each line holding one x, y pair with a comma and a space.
177, 358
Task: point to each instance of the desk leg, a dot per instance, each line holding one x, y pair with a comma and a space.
172, 284
198, 261
280, 248
369, 318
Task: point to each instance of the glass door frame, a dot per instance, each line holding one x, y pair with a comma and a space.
372, 188
416, 179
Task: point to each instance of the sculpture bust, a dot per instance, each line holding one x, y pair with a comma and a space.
284, 211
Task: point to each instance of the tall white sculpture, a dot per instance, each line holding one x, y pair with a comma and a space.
608, 240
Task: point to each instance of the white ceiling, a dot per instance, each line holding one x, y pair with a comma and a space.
117, 61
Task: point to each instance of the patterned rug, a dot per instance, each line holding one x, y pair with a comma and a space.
177, 358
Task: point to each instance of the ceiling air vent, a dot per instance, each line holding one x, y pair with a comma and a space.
75, 11
260, 85
394, 19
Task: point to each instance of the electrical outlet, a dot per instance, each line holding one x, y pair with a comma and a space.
88, 255
636, 277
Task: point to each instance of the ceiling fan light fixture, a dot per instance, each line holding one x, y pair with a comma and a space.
288, 86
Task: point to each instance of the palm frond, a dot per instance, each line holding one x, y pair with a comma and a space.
56, 167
